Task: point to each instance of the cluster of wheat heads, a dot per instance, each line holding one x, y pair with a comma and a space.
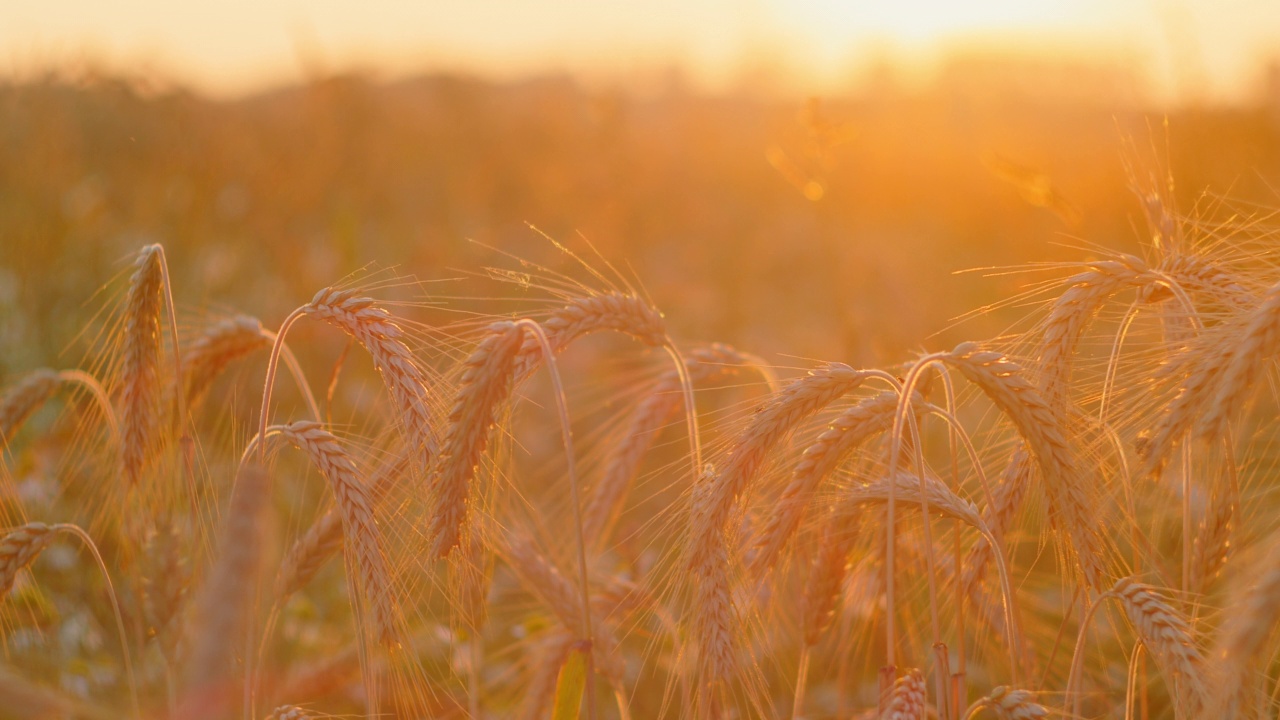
1071, 520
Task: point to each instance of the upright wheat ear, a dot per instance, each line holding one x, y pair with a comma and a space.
140, 364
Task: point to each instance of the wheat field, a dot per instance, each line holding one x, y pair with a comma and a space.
529, 491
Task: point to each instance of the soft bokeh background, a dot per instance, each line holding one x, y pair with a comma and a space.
794, 178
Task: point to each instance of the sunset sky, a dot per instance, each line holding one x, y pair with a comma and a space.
1207, 48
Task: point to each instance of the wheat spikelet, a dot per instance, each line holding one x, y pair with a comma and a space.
218, 345
323, 539
23, 398
562, 598
139, 367
1042, 428
642, 429
486, 383
226, 598
827, 572
594, 313
19, 548
908, 698
375, 329
1166, 635
843, 435
1009, 704
358, 525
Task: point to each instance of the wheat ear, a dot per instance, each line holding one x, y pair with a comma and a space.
375, 328
225, 601
485, 384
843, 435
139, 369
358, 526
545, 580
1166, 635
618, 312
642, 429
323, 539
1247, 359
1008, 704
1042, 427
1244, 634
19, 548
908, 698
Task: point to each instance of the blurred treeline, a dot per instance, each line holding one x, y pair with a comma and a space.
822, 228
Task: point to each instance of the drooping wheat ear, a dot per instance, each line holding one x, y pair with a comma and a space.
907, 490
165, 583
1243, 366
1006, 500
19, 548
843, 435
486, 383
1201, 275
1042, 428
1009, 704
619, 312
323, 539
1212, 544
375, 328
541, 577
291, 712
35, 388
359, 529
226, 599
827, 572
908, 698
217, 346
140, 364
714, 621
642, 429
1166, 635
772, 422
1071, 313
23, 398
1255, 613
